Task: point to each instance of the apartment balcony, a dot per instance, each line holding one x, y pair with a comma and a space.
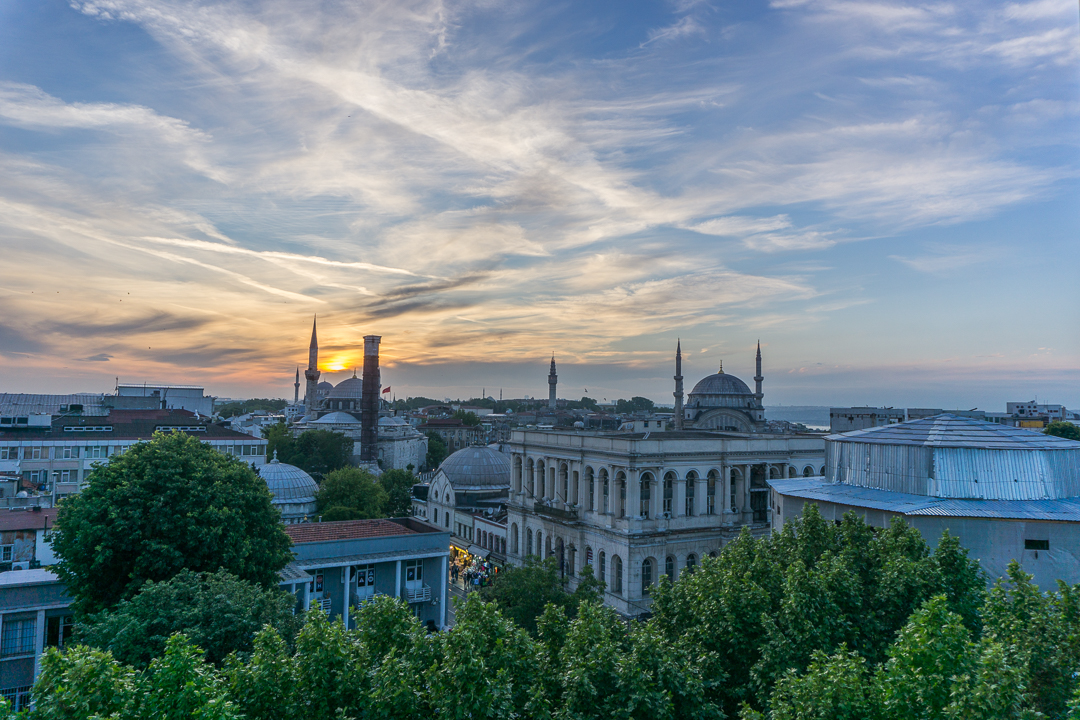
418, 595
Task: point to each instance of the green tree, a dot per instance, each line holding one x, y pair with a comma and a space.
316, 452
634, 404
165, 505
1062, 429
834, 687
216, 611
1044, 630
180, 686
521, 593
398, 485
350, 494
436, 451
467, 418
81, 683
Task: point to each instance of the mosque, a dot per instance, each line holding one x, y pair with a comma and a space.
353, 408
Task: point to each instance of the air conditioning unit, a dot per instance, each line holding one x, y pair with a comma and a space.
21, 565
667, 516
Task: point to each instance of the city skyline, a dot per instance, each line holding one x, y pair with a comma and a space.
882, 193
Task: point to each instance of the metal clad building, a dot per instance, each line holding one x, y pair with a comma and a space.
1009, 493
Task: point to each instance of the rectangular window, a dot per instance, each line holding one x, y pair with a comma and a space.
9, 453
19, 697
97, 451
33, 453
6, 553
71, 451
65, 476
364, 577
1036, 544
414, 574
18, 637
58, 630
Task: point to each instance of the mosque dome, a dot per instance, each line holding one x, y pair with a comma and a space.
337, 418
477, 468
350, 388
720, 384
289, 484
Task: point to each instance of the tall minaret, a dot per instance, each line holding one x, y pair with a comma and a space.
678, 387
552, 380
311, 397
758, 378
296, 388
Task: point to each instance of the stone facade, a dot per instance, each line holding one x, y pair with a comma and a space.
633, 506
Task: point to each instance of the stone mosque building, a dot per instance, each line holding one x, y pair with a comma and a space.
635, 505
351, 406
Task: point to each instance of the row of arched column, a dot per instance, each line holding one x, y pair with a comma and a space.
639, 493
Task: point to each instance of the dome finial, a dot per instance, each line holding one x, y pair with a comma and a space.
275, 456
721, 370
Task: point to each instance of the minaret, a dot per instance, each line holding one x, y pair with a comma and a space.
758, 378
311, 396
678, 387
369, 401
296, 388
552, 380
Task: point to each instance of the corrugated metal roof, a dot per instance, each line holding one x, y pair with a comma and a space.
949, 430
1061, 510
14, 404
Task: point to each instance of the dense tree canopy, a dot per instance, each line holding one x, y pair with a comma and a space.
817, 622
523, 593
436, 451
218, 612
398, 486
163, 506
316, 452
350, 494
467, 417
634, 404
1062, 429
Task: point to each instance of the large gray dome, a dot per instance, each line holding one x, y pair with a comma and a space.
477, 468
349, 388
721, 384
337, 418
289, 484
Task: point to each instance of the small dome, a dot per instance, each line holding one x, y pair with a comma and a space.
721, 384
387, 421
288, 483
337, 418
351, 388
325, 387
477, 468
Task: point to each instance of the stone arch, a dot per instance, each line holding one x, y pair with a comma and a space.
774, 472
791, 471
808, 471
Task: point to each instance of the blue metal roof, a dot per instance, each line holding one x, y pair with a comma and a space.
947, 430
1063, 510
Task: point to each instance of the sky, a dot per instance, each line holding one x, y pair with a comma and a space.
884, 193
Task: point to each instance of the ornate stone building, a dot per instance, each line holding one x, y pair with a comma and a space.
634, 505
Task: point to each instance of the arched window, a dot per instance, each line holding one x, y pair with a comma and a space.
669, 492
646, 494
710, 494
514, 538
646, 576
571, 560
517, 473
528, 541
592, 488
822, 471
540, 545
808, 471
446, 517
691, 562
691, 481
601, 567
616, 574
669, 568
436, 517
575, 498
530, 469
712, 554
606, 508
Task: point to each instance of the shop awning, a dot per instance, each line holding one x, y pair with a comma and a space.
478, 551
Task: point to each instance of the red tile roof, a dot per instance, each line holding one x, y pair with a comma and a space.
27, 519
344, 530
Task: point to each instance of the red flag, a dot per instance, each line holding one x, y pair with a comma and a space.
386, 389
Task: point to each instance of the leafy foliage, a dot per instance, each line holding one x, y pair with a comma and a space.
163, 506
436, 450
1062, 429
522, 593
316, 452
398, 486
467, 418
350, 494
216, 611
634, 404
